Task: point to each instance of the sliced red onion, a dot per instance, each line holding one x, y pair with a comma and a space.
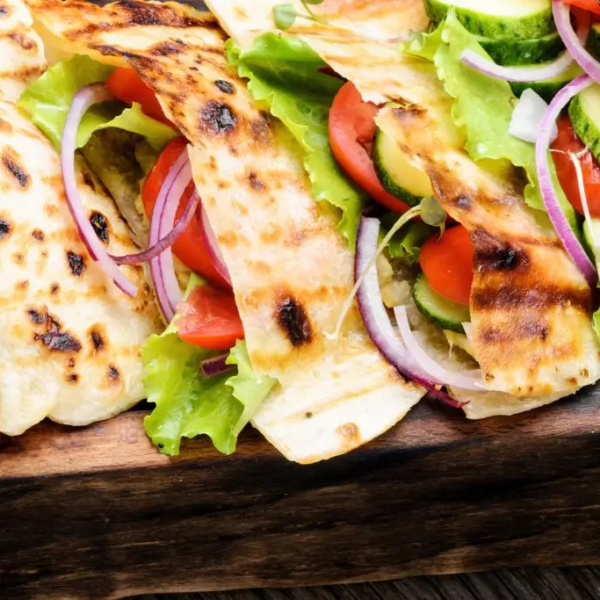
162, 270
83, 99
527, 117
520, 74
574, 42
166, 242
376, 319
470, 380
217, 365
213, 247
551, 202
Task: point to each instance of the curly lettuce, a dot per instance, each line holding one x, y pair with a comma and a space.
189, 404
47, 101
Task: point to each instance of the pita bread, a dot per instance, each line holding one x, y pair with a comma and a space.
22, 55
70, 340
291, 270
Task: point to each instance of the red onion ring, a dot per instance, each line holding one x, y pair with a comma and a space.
217, 365
574, 44
83, 99
470, 380
551, 202
213, 247
166, 242
162, 269
375, 315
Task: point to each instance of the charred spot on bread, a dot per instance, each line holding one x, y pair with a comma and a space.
293, 320
255, 183
10, 160
217, 118
113, 373
52, 335
38, 234
100, 224
54, 288
5, 228
25, 42
76, 263
97, 340
225, 86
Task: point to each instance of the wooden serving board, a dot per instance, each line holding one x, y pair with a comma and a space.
98, 513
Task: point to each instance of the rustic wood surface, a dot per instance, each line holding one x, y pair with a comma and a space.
519, 584
98, 513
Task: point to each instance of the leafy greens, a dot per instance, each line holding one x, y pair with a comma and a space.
284, 72
188, 404
47, 101
483, 106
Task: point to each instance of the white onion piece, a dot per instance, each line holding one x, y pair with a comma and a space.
518, 74
470, 380
375, 316
574, 42
162, 270
83, 99
551, 202
213, 247
527, 117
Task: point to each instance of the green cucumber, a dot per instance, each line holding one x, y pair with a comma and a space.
584, 111
445, 313
515, 19
508, 52
548, 88
588, 238
400, 177
593, 41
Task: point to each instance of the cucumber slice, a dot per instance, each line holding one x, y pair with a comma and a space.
448, 315
548, 88
400, 177
584, 111
593, 41
516, 19
509, 52
588, 227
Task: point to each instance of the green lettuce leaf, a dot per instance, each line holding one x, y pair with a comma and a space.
407, 242
596, 323
47, 101
483, 106
284, 73
188, 404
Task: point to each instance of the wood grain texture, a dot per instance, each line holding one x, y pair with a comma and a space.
97, 513
517, 584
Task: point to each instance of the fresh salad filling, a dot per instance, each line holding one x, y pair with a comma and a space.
414, 266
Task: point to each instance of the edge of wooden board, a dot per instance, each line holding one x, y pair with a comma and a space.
98, 513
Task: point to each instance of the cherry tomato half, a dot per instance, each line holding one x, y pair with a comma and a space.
210, 319
191, 248
351, 134
568, 141
448, 264
126, 85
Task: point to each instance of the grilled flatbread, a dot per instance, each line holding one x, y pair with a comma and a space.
21, 53
70, 340
530, 307
291, 270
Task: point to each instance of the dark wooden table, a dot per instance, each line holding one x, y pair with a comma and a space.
527, 584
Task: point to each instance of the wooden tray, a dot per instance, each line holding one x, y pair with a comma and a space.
98, 513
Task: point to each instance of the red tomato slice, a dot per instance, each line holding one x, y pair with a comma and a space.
351, 134
210, 319
448, 264
191, 248
126, 85
568, 141
591, 5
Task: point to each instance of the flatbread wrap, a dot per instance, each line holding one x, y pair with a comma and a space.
353, 220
